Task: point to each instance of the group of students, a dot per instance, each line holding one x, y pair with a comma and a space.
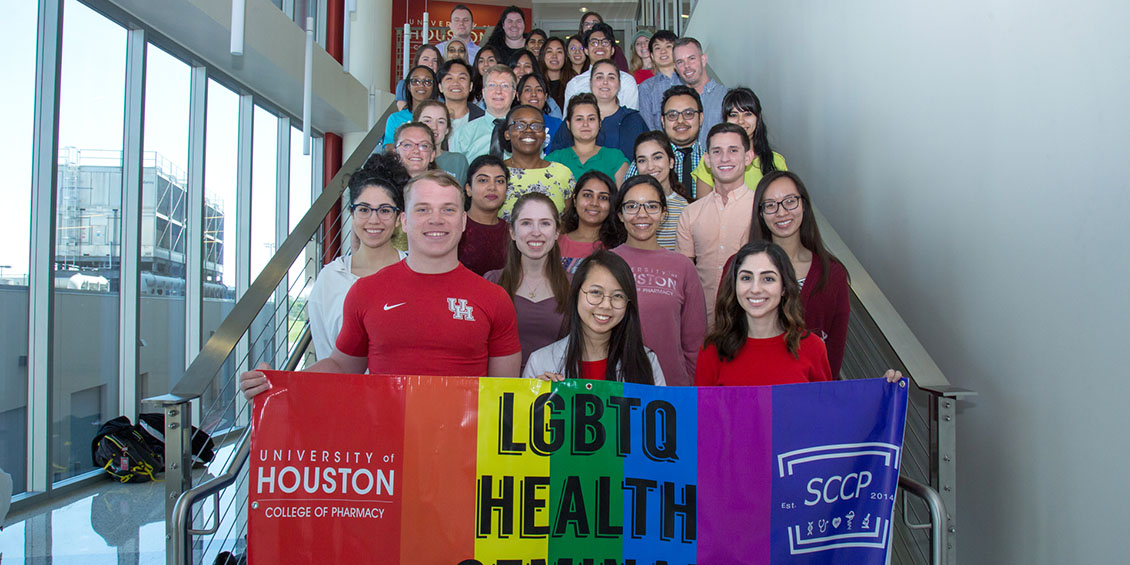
668, 255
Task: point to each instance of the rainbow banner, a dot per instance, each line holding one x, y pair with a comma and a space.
466, 471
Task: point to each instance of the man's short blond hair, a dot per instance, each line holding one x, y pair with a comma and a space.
440, 177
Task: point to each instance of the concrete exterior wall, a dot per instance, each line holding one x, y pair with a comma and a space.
974, 156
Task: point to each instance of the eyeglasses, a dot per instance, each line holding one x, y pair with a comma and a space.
409, 146
576, 49
500, 86
594, 42
673, 115
363, 211
596, 296
789, 202
652, 207
523, 126
421, 82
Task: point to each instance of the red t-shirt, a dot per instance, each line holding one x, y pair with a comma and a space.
765, 362
594, 370
410, 323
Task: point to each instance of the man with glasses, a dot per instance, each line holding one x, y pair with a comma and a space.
662, 46
499, 89
714, 227
455, 86
428, 314
599, 42
462, 23
690, 64
682, 120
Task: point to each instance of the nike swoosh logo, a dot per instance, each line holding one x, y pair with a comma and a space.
387, 307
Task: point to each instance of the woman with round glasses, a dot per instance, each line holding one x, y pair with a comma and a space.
655, 157
428, 56
741, 106
436, 116
584, 126
578, 59
671, 301
415, 144
604, 340
619, 125
533, 275
375, 204
421, 86
523, 135
783, 215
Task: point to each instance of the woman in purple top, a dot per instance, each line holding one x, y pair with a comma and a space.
533, 276
671, 301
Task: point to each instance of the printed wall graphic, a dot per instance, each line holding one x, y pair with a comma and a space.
384, 469
439, 14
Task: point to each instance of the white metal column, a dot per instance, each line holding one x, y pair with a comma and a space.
282, 229
243, 224
129, 295
41, 299
194, 249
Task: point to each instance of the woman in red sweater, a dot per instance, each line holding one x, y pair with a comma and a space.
782, 214
758, 336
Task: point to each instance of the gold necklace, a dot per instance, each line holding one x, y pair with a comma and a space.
534, 292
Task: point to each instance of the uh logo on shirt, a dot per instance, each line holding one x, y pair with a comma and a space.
460, 310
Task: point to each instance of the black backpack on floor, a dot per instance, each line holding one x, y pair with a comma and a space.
124, 453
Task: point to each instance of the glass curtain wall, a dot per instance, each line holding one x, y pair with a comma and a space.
18, 68
84, 390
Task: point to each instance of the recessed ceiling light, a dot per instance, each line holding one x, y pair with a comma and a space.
584, 9
686, 15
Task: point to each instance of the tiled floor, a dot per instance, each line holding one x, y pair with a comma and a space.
109, 523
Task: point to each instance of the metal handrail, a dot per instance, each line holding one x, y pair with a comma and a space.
182, 511
216, 350
937, 516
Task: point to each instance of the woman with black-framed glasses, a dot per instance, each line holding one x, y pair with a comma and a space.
523, 135
604, 340
672, 303
783, 215
376, 202
421, 85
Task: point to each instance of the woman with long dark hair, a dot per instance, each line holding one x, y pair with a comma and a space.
552, 61
578, 60
376, 203
783, 214
619, 125
587, 223
535, 41
486, 58
759, 336
422, 86
672, 304
605, 340
741, 106
532, 91
654, 157
533, 275
509, 33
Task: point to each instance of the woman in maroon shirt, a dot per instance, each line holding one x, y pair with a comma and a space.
783, 215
